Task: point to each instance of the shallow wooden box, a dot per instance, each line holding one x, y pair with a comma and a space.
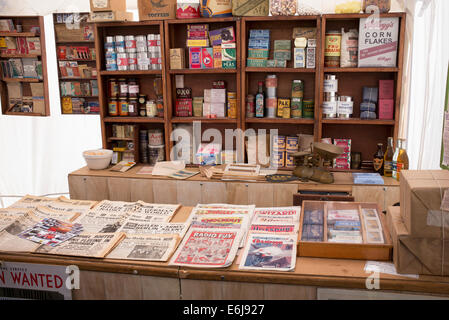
354, 251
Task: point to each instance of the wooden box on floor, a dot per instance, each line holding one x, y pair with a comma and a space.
357, 251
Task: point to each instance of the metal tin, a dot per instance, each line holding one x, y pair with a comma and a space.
297, 108
330, 108
298, 89
289, 159
279, 143
122, 61
130, 44
132, 61
308, 107
155, 137
143, 63
292, 144
332, 49
271, 83
119, 44
278, 159
271, 107
345, 107
282, 103
156, 154
111, 61
109, 44
141, 44
330, 83
250, 109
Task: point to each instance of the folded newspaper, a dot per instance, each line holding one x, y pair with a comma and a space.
269, 252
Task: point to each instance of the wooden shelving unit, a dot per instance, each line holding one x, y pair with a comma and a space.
145, 77
27, 23
75, 37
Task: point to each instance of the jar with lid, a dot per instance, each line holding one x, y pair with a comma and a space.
151, 109
113, 88
133, 107
113, 107
123, 107
160, 107
250, 108
123, 87
133, 88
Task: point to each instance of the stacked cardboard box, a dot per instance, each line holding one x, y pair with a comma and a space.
420, 227
109, 10
258, 48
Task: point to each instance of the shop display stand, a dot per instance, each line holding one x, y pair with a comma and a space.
27, 22
75, 42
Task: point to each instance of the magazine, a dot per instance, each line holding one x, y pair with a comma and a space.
145, 247
85, 245
269, 252
51, 232
285, 214
275, 228
132, 226
223, 209
207, 248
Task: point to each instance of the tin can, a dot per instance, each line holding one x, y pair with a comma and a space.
250, 109
289, 159
308, 109
109, 44
279, 143
122, 61
330, 84
151, 109
286, 112
141, 44
330, 108
332, 49
111, 61
282, 103
278, 159
345, 107
132, 61
119, 44
271, 83
292, 144
155, 137
232, 105
271, 107
123, 107
130, 44
143, 63
296, 108
298, 89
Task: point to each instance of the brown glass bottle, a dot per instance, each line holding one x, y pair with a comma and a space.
388, 159
378, 160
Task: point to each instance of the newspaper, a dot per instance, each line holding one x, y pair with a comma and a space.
7, 220
269, 252
116, 207
207, 248
51, 232
65, 207
45, 212
14, 212
132, 226
154, 212
85, 245
145, 247
101, 222
78, 203
31, 202
276, 215
9, 241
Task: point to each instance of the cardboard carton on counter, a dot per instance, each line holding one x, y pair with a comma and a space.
156, 10
413, 255
421, 196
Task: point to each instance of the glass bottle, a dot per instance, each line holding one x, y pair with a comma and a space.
378, 160
402, 161
394, 170
260, 101
388, 158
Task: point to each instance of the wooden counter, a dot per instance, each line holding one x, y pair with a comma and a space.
120, 279
85, 184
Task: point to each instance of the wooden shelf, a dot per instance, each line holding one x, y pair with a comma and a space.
78, 60
22, 80
76, 79
280, 120
32, 114
119, 119
19, 55
358, 70
88, 97
205, 120
17, 34
202, 20
120, 139
356, 121
76, 41
201, 71
130, 73
280, 70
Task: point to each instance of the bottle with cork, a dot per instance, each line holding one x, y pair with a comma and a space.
388, 158
402, 160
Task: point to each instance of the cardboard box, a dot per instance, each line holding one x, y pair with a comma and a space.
386, 109
110, 16
177, 58
195, 58
416, 255
217, 56
421, 196
156, 10
207, 58
250, 8
107, 5
386, 89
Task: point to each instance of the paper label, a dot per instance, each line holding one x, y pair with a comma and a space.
100, 4
345, 107
330, 85
330, 107
387, 268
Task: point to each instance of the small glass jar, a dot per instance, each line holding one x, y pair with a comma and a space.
133, 107
123, 87
133, 88
113, 88
113, 107
123, 107
151, 109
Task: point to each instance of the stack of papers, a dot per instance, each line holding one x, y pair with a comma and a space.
367, 178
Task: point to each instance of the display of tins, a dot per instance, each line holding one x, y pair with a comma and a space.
113, 107
120, 44
155, 137
271, 83
297, 108
250, 108
308, 107
113, 88
332, 49
123, 107
298, 89
133, 107
133, 88
151, 109
271, 104
130, 44
345, 107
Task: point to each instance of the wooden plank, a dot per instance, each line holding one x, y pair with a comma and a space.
201, 290
165, 192
260, 194
289, 292
242, 291
76, 187
370, 194
91, 286
189, 192
122, 286
213, 192
159, 288
392, 196
119, 189
142, 189
237, 193
283, 194
96, 188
